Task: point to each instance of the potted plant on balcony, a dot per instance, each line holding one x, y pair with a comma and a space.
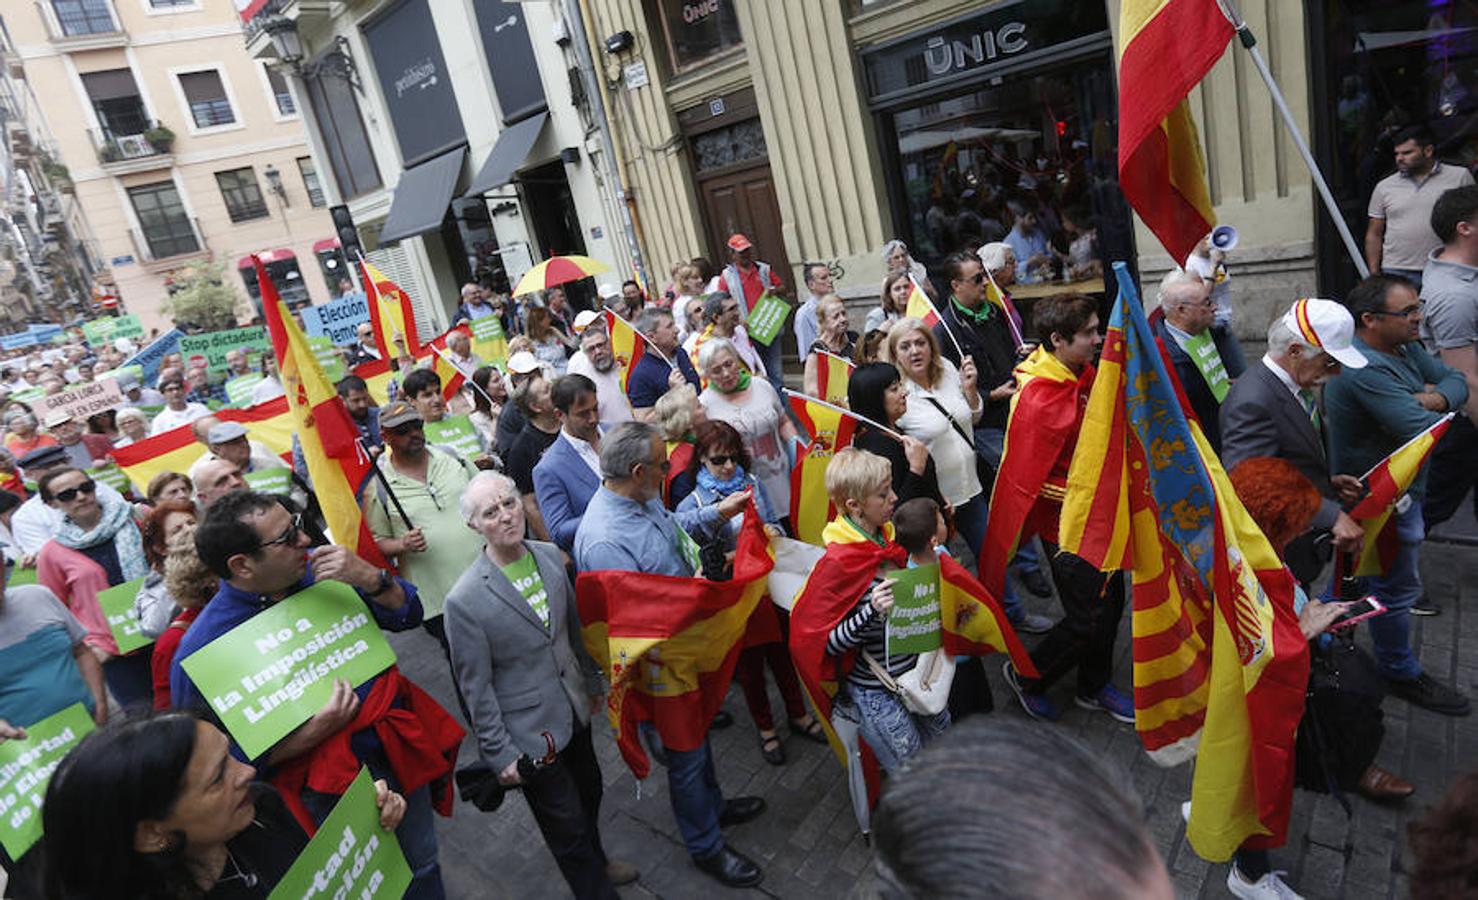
160, 138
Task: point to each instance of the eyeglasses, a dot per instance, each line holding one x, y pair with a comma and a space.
723, 459
88, 487
1406, 313
288, 537
978, 278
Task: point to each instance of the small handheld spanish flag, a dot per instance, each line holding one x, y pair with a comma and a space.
1387, 482
627, 345
919, 305
832, 374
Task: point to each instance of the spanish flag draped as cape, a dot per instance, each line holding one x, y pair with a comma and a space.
337, 464
1040, 434
1165, 48
1220, 667
971, 618
669, 644
1386, 483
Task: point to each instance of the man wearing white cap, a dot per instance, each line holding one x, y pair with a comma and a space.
1372, 413
1274, 410
83, 450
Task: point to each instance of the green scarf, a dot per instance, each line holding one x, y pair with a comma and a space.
984, 314
742, 384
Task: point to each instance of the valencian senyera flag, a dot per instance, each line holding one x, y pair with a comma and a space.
1390, 479
972, 622
1165, 48
269, 423
391, 315
628, 346
832, 374
1220, 668
337, 462
826, 430
669, 644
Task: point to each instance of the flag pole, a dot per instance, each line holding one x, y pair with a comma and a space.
947, 330
646, 340
385, 483
1007, 308
846, 412
1249, 42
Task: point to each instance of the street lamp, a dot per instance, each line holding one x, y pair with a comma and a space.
274, 182
283, 33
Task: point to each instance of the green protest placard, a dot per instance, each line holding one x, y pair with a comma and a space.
25, 770
328, 356
238, 389
276, 480
112, 476
913, 625
29, 394
117, 605
350, 855
19, 576
110, 328
457, 434
489, 341
766, 319
214, 345
269, 674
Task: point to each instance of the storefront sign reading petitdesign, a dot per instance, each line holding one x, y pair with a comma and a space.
945, 55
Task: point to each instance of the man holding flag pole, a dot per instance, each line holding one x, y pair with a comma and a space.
661, 364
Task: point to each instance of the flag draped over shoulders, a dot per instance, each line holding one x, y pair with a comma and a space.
1165, 48
669, 644
337, 463
1220, 667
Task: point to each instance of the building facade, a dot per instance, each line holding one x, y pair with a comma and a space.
825, 129
458, 133
178, 145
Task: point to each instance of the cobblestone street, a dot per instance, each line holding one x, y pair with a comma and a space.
808, 842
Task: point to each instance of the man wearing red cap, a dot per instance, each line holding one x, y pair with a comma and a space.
747, 280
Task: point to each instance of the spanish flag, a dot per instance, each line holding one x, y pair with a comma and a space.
1386, 483
377, 376
391, 314
669, 644
1166, 48
827, 431
452, 377
919, 305
832, 374
337, 464
628, 346
1001, 301
176, 450
1220, 668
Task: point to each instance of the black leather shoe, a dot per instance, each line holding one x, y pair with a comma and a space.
1429, 693
722, 719
731, 868
738, 810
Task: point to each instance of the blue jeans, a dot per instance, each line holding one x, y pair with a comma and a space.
1398, 589
893, 733
697, 801
416, 832
774, 365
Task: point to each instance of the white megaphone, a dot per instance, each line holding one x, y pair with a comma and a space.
1224, 238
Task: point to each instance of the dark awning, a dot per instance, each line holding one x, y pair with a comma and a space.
508, 155
422, 196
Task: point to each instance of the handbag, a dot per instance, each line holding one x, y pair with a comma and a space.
924, 689
983, 470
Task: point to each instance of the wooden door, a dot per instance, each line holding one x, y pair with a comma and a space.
744, 201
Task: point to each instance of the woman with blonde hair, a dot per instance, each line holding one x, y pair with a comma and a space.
551, 346
689, 283
677, 414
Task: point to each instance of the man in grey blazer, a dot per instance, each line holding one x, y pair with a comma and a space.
1274, 410
529, 684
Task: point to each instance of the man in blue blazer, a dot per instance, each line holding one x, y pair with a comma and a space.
569, 473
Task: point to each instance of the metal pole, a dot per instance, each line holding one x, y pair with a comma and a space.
581, 41
1249, 41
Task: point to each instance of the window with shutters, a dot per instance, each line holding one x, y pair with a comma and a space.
282, 98
115, 98
79, 17
345, 142
162, 215
242, 194
206, 98
311, 184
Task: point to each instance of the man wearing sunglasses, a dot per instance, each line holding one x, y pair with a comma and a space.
261, 553
1373, 411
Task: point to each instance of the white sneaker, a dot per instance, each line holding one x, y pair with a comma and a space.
1185, 811
1268, 887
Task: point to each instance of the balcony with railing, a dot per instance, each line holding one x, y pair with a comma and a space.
81, 24
149, 146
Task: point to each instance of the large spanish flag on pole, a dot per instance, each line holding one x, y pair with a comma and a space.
1386, 483
828, 429
1220, 667
1166, 47
176, 450
669, 644
337, 463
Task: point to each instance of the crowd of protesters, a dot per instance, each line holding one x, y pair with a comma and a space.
575, 471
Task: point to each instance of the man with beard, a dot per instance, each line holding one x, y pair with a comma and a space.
1400, 236
597, 363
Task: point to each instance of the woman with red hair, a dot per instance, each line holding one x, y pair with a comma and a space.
1341, 731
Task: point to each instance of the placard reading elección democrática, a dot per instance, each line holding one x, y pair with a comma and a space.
350, 855
269, 674
25, 770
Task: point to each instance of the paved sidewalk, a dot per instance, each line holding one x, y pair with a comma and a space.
808, 842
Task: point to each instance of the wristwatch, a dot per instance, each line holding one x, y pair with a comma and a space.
386, 581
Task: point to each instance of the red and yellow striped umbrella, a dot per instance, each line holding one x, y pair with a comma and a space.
558, 270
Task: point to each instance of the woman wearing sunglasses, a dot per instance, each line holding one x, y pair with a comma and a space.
97, 546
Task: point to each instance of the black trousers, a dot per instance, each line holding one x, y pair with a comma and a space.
1092, 604
1452, 473
565, 800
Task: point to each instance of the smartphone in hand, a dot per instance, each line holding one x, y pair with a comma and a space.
1359, 611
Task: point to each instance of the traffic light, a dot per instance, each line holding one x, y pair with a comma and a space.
347, 234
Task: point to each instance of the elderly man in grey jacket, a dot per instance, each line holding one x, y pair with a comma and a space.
529, 684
